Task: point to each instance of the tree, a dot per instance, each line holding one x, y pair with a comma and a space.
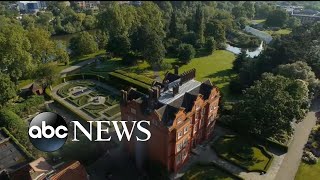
119, 45
42, 47
270, 106
15, 59
46, 74
293, 22
300, 70
186, 53
89, 22
239, 11
173, 27
154, 50
82, 44
210, 45
249, 7
61, 55
216, 29
239, 61
277, 18
7, 89
199, 24
102, 39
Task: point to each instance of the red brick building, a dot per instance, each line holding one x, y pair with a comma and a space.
182, 112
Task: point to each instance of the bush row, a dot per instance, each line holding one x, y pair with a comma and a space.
21, 147
137, 77
128, 82
28, 106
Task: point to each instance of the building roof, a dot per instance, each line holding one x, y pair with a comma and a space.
167, 114
167, 96
34, 170
71, 171
11, 156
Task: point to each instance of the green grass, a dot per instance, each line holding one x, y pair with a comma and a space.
279, 32
308, 171
112, 111
199, 172
217, 67
79, 101
23, 83
243, 153
258, 21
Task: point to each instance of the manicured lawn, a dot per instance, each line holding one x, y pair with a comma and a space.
308, 171
79, 101
199, 172
93, 109
112, 111
216, 67
279, 32
258, 21
243, 153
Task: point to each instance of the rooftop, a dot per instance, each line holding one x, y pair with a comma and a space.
11, 156
167, 96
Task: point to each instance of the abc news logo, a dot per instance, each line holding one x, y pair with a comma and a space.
48, 131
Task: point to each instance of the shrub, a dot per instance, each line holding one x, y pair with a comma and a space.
28, 106
210, 44
186, 53
165, 66
130, 58
308, 157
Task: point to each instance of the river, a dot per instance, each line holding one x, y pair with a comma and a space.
251, 54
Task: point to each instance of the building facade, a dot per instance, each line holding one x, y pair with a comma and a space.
182, 114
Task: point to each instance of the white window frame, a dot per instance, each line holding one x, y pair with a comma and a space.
180, 133
186, 129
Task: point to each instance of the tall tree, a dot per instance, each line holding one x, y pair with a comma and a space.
173, 27
199, 24
277, 18
249, 7
7, 89
84, 43
271, 105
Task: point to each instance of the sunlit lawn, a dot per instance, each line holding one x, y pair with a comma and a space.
216, 67
243, 152
279, 32
258, 21
307, 171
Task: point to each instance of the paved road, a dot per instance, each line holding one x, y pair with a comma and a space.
292, 159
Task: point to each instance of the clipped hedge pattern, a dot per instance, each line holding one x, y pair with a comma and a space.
121, 79
137, 77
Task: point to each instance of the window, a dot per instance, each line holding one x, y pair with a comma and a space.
201, 122
197, 107
184, 154
179, 134
196, 116
129, 118
186, 130
179, 147
178, 158
133, 111
185, 142
203, 111
179, 121
195, 128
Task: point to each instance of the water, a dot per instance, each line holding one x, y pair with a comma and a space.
251, 54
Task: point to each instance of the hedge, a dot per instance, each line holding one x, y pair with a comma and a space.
261, 140
261, 148
21, 147
118, 78
219, 168
137, 77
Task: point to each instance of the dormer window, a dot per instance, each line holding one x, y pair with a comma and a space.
133, 111
186, 130
180, 134
179, 121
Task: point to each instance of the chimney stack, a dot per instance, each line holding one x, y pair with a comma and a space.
175, 90
176, 70
124, 96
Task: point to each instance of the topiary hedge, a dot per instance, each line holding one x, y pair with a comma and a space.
128, 82
21, 147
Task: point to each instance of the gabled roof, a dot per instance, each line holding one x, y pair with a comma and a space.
167, 114
71, 171
203, 89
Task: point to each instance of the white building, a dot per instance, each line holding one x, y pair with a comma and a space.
31, 6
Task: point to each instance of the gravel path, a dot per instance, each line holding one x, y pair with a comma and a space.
292, 159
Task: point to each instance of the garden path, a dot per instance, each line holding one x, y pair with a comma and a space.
292, 159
